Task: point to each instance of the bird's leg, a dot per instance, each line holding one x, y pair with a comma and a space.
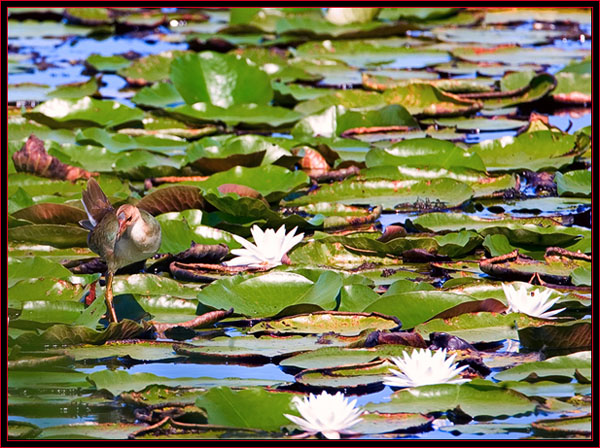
109, 296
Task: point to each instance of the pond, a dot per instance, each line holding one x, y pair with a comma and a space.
431, 170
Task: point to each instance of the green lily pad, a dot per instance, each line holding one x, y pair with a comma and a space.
361, 54
573, 88
149, 69
271, 293
484, 69
478, 327
247, 113
149, 285
249, 408
27, 91
136, 349
80, 334
75, 90
36, 29
22, 430
271, 181
337, 120
519, 232
376, 423
416, 307
324, 254
501, 16
473, 399
495, 36
355, 375
582, 276
89, 430
425, 153
116, 143
83, 112
342, 323
538, 87
477, 124
574, 183
391, 194
331, 357
57, 378
50, 312
57, 235
107, 63
559, 366
425, 99
159, 95
44, 289
569, 426
221, 80
518, 55
119, 381
264, 347
379, 82
179, 229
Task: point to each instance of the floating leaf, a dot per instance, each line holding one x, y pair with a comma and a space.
478, 327
564, 427
360, 54
357, 375
559, 366
172, 199
56, 235
263, 348
425, 99
269, 294
518, 55
250, 408
48, 213
574, 183
330, 357
342, 323
425, 153
107, 63
569, 335
473, 399
221, 80
119, 381
247, 113
149, 69
160, 94
86, 111
391, 194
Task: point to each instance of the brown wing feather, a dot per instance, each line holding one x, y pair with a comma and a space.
95, 202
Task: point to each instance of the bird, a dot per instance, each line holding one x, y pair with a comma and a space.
121, 237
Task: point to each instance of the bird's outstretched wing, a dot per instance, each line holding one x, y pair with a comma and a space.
95, 202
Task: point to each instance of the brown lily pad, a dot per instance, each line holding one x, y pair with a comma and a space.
172, 199
33, 158
576, 336
50, 213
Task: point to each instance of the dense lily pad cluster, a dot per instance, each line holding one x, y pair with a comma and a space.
433, 213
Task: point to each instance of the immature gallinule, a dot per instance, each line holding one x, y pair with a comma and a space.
120, 237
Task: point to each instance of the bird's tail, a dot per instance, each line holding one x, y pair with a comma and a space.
96, 204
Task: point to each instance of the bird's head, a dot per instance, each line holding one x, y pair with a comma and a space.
127, 215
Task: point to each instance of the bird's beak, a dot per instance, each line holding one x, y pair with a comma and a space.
123, 224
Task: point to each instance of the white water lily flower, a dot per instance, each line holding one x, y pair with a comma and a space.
331, 415
424, 367
534, 303
269, 249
